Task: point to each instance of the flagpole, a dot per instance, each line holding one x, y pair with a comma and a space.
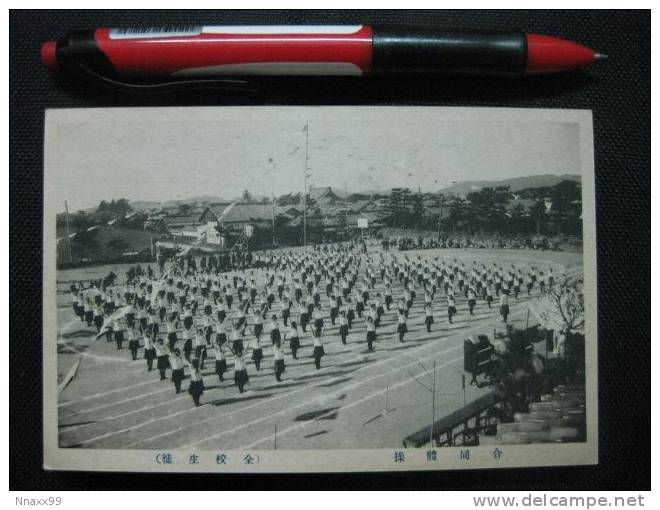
305, 185
68, 232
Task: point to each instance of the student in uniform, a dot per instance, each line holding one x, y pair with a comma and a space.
196, 386
359, 304
343, 326
285, 306
241, 377
236, 337
541, 283
220, 333
334, 309
98, 317
388, 296
516, 286
118, 330
294, 339
186, 336
402, 327
428, 320
275, 334
177, 363
240, 315
187, 317
379, 310
350, 313
318, 319
89, 312
278, 360
133, 342
221, 312
162, 310
371, 332
504, 306
472, 300
319, 351
149, 351
258, 326
257, 353
153, 324
451, 308
220, 361
162, 358
170, 328
80, 306
200, 347
489, 295
303, 318
142, 318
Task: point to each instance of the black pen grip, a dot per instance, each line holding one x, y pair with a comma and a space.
406, 50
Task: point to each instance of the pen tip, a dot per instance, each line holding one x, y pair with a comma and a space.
600, 56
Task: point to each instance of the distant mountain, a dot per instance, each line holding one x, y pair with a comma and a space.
515, 184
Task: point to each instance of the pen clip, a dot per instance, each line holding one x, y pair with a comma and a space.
161, 87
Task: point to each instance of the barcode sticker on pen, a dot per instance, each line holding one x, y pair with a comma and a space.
148, 32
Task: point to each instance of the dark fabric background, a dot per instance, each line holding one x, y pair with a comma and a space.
618, 92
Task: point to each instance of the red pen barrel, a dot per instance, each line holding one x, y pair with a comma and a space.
344, 50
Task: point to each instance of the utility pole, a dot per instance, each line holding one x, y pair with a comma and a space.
432, 407
68, 232
273, 217
306, 130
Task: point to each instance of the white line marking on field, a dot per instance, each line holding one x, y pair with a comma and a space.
103, 394
306, 403
422, 346
280, 433
250, 406
287, 394
110, 404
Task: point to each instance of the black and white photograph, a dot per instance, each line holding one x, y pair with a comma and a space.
319, 289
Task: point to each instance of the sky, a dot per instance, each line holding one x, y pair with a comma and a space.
177, 153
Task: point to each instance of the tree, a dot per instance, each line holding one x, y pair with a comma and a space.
567, 298
518, 220
440, 201
457, 212
417, 207
488, 208
537, 213
122, 207
566, 210
247, 196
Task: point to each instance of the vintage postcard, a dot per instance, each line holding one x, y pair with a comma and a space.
319, 289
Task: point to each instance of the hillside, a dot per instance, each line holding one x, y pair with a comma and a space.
515, 184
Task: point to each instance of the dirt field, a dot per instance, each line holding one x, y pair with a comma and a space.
358, 399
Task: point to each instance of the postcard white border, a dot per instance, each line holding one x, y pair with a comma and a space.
481, 457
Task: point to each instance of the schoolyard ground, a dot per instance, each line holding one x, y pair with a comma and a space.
357, 400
